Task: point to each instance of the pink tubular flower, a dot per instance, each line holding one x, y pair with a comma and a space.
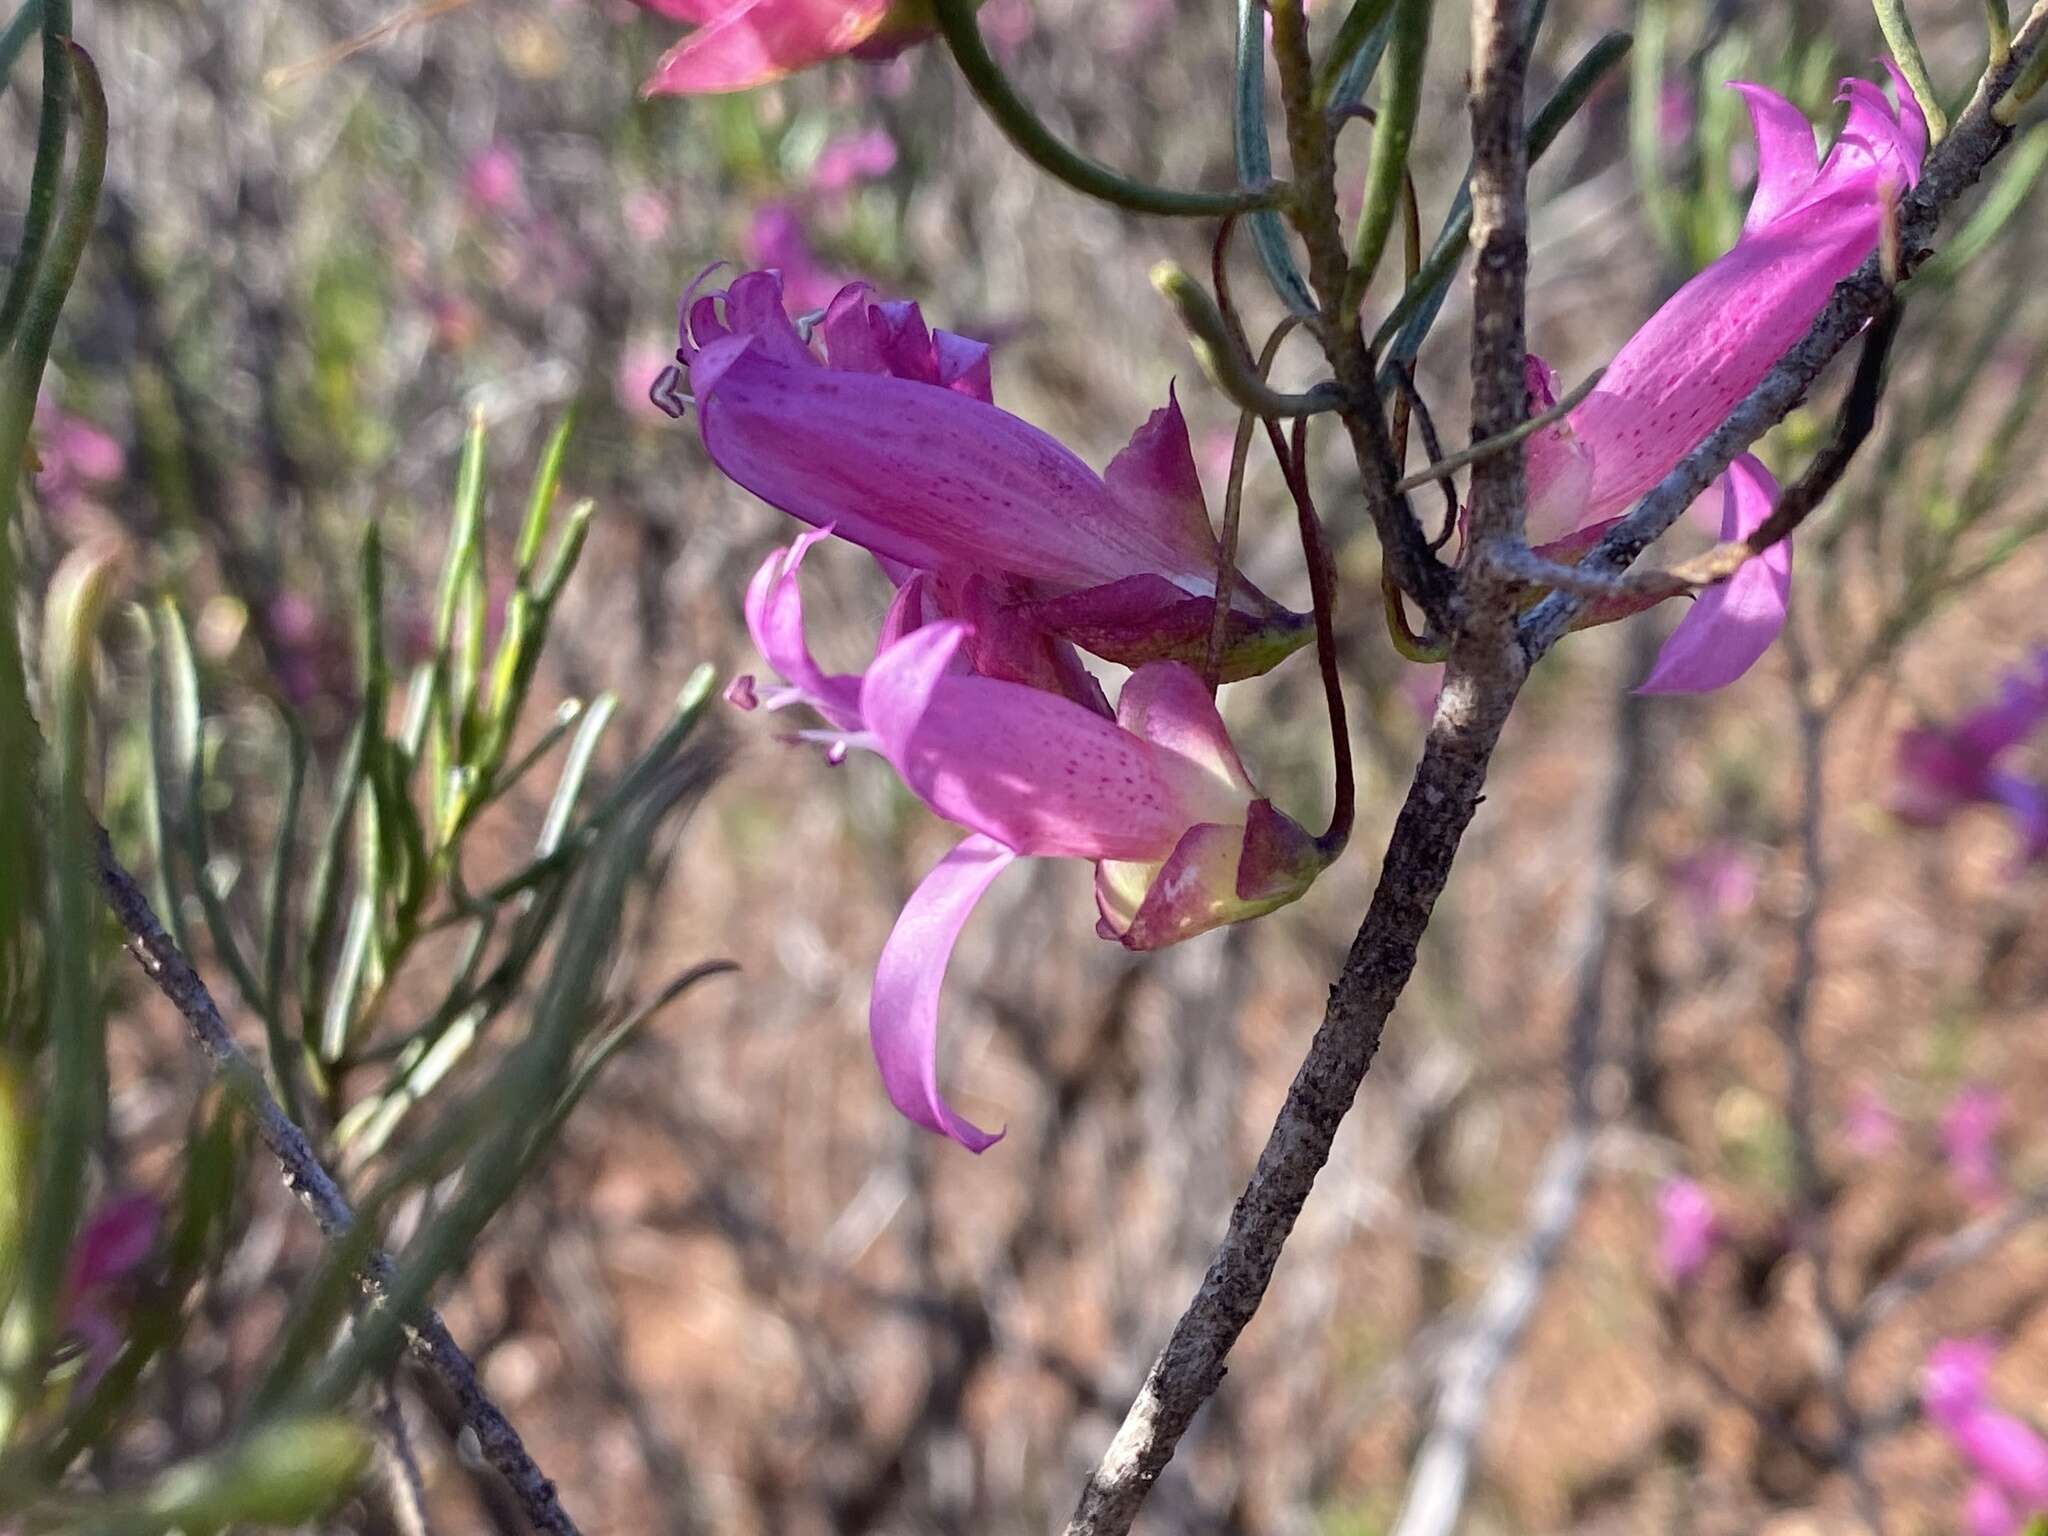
1156, 797
893, 440
1687, 1230
110, 1250
736, 45
846, 162
1811, 223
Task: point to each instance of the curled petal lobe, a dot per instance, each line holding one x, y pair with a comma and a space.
1787, 161
903, 1013
775, 618
1040, 774
1733, 623
1155, 479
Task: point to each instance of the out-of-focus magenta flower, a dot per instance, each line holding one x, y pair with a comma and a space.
1938, 770
847, 161
892, 439
76, 458
111, 1249
1687, 1230
1007, 25
641, 363
646, 214
1871, 1127
1969, 1140
1956, 1381
735, 45
1810, 224
310, 651
1717, 882
775, 238
2008, 1455
495, 181
1676, 111
1988, 1512
1155, 797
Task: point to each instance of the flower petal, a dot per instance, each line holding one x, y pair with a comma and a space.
1558, 465
1165, 703
1786, 160
932, 478
1734, 623
1677, 377
775, 618
903, 1012
751, 42
1038, 773
1154, 476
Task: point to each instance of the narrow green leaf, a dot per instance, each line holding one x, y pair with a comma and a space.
1354, 54
1409, 322
277, 924
540, 504
1392, 134
1255, 159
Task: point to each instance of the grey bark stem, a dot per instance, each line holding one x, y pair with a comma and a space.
428, 1338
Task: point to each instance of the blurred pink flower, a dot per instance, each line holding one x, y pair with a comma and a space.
495, 181
1938, 770
1419, 684
111, 1249
851, 159
775, 239
1717, 882
1687, 1230
646, 215
2007, 1454
641, 363
1871, 1127
77, 458
1988, 1512
1007, 25
1957, 1379
1675, 114
735, 45
1969, 1140
1811, 223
